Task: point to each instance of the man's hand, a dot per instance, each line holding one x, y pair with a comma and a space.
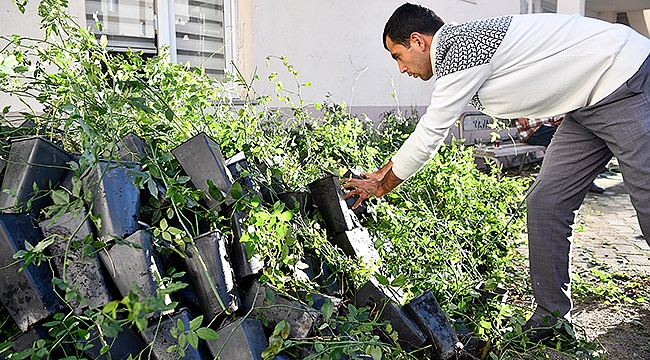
375, 184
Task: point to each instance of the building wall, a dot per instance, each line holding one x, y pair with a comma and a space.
337, 46
13, 21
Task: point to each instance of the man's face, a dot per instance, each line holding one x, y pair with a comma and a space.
414, 60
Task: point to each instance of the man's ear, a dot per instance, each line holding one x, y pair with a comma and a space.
417, 40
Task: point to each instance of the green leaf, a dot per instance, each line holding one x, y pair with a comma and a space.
163, 224
98, 244
196, 322
140, 103
111, 308
275, 344
327, 309
174, 231
169, 114
286, 216
382, 279
5, 346
214, 191
375, 352
154, 171
193, 339
7, 65
282, 329
183, 179
485, 324
42, 245
207, 334
268, 353
236, 191
399, 281
153, 187
269, 296
172, 288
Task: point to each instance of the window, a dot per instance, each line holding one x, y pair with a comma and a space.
549, 6
198, 32
621, 18
126, 23
199, 28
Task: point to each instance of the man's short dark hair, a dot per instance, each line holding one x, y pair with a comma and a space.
410, 18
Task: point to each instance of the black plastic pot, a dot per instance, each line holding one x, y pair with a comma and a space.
357, 357
237, 165
243, 339
328, 197
472, 346
131, 148
212, 268
126, 343
320, 272
245, 269
133, 261
201, 159
28, 296
83, 272
31, 161
27, 339
410, 335
357, 243
66, 178
317, 300
297, 200
426, 312
486, 295
266, 302
115, 199
270, 189
160, 338
3, 158
187, 296
362, 211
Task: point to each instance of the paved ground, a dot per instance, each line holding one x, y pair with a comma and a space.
607, 230
608, 239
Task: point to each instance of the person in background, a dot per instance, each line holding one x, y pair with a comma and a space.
533, 66
540, 132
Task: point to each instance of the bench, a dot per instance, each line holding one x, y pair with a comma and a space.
505, 150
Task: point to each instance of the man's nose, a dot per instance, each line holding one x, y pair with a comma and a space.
402, 67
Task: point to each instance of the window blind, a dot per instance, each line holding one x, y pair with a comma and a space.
200, 34
126, 23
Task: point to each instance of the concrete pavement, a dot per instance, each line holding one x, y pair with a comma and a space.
607, 230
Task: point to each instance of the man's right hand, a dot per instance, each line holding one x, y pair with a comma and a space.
376, 184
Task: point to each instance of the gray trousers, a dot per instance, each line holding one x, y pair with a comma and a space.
618, 125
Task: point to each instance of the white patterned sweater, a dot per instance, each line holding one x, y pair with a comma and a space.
532, 66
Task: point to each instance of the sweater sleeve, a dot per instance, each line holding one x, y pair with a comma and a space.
450, 96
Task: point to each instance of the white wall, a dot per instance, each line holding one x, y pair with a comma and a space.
337, 46
13, 21
640, 21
